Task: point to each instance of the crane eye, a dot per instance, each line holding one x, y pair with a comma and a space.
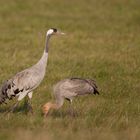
54, 30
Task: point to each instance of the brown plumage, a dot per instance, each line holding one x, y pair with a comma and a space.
68, 89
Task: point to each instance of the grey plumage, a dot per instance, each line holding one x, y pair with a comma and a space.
24, 82
68, 89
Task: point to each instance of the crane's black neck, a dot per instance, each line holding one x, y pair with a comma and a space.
47, 44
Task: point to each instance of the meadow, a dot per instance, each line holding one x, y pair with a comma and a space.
102, 42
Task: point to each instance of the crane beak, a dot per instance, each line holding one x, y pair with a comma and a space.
60, 33
63, 33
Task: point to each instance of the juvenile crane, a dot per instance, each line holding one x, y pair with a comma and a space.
68, 89
24, 82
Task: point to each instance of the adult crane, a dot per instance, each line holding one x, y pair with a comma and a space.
24, 82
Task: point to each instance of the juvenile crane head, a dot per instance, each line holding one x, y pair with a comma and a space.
46, 108
49, 106
54, 31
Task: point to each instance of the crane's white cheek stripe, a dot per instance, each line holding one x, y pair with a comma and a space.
50, 31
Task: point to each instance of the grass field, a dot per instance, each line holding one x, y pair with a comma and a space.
102, 42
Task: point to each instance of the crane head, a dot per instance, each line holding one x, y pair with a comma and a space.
54, 31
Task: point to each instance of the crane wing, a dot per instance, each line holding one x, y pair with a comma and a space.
24, 81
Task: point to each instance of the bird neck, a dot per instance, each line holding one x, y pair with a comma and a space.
49, 106
47, 44
53, 105
44, 58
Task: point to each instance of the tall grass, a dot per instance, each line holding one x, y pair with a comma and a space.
102, 42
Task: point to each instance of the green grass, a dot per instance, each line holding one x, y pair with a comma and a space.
102, 42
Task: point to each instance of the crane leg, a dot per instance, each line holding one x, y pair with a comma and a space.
71, 109
12, 109
29, 103
30, 108
20, 97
